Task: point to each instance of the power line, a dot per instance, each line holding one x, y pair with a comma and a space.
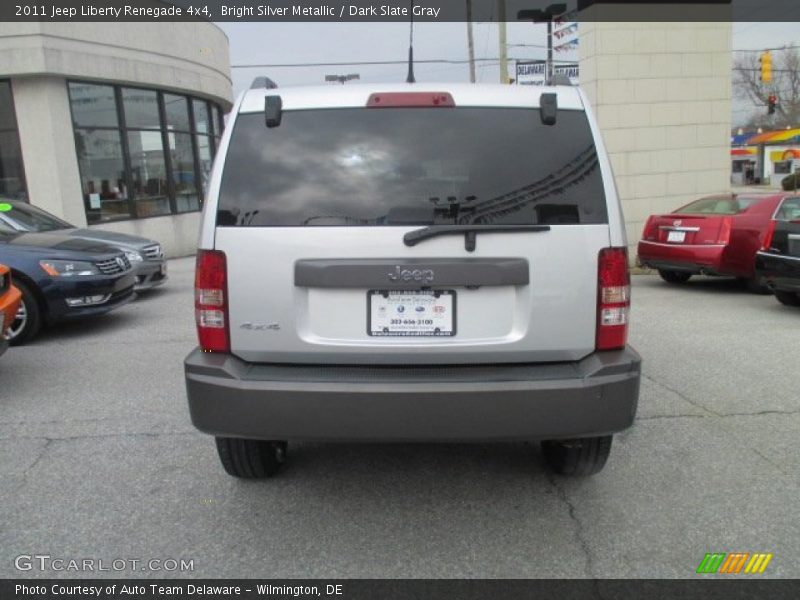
756, 69
432, 61
791, 47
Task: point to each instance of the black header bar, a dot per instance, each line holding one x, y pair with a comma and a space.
733, 588
390, 10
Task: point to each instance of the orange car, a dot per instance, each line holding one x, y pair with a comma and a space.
9, 303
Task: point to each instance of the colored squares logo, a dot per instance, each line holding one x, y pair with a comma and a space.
735, 563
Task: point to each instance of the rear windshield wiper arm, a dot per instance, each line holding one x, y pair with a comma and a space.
412, 238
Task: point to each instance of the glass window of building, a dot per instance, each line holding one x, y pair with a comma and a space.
202, 118
184, 176
142, 152
141, 108
177, 110
12, 172
148, 173
93, 105
105, 189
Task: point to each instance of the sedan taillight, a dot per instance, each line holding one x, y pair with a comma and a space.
211, 302
613, 299
724, 235
768, 236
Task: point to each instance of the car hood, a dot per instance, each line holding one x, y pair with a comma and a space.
57, 242
112, 238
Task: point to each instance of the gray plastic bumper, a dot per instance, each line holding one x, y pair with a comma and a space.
594, 396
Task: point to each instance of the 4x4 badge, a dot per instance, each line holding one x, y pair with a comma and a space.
260, 326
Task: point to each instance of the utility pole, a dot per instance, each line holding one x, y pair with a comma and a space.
549, 76
501, 18
470, 43
547, 15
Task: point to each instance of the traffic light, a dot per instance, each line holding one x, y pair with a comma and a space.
766, 67
772, 102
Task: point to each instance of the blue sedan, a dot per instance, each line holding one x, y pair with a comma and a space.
62, 277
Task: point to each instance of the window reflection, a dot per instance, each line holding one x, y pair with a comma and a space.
93, 105
148, 173
204, 152
177, 111
202, 119
183, 172
141, 108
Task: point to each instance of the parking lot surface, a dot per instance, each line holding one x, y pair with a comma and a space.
98, 459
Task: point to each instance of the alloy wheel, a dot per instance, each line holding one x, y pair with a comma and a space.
19, 322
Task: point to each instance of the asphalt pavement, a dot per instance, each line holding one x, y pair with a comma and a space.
99, 460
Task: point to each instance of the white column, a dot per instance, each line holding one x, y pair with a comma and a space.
662, 95
48, 146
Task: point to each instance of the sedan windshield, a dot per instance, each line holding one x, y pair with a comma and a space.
24, 217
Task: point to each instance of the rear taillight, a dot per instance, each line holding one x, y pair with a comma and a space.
613, 299
725, 231
211, 301
769, 235
649, 229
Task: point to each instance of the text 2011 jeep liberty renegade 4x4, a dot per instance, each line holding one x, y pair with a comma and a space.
412, 262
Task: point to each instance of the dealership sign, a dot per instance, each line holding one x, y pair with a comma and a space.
533, 72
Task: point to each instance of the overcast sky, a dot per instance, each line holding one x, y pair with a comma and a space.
281, 43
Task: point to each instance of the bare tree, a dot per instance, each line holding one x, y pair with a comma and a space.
785, 85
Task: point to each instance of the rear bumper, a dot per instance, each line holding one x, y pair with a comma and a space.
594, 396
780, 273
707, 259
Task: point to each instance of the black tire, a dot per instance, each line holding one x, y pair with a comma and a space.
251, 459
788, 298
580, 457
29, 317
674, 276
755, 285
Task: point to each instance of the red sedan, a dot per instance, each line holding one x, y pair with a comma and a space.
716, 235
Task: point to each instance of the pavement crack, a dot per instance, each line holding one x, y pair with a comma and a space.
656, 417
96, 436
721, 416
681, 395
29, 469
561, 494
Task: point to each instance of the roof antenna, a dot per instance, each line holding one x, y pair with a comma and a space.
410, 78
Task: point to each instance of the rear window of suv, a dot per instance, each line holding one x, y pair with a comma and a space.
411, 166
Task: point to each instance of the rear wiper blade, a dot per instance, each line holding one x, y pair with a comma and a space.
412, 238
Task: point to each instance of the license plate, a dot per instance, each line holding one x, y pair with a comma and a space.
411, 313
676, 236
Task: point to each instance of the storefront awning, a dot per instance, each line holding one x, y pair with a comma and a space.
790, 136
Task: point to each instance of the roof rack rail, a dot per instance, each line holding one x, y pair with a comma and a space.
263, 82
